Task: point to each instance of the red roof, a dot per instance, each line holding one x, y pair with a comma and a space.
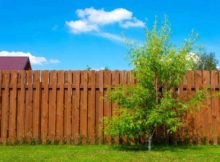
14, 63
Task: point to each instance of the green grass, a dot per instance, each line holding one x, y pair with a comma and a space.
108, 153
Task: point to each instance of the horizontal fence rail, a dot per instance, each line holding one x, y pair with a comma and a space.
68, 107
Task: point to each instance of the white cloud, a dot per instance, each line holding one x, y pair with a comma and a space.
133, 23
81, 26
91, 20
33, 59
103, 17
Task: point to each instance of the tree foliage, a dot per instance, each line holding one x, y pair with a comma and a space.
146, 106
207, 61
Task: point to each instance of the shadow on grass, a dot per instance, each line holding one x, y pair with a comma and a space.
160, 148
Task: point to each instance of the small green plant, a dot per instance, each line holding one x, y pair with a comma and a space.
158, 68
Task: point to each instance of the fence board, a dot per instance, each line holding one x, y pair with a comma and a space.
52, 106
99, 106
36, 106
75, 107
107, 104
183, 95
218, 108
21, 106
83, 107
0, 102
200, 119
60, 106
44, 109
214, 106
67, 110
190, 114
13, 107
28, 110
207, 115
91, 108
5, 107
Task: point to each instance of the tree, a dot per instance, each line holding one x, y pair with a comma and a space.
207, 61
158, 68
88, 68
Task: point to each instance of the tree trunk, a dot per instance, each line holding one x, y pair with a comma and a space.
149, 142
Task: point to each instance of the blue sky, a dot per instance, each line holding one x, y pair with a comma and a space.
71, 34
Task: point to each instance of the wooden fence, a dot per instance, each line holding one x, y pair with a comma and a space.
68, 106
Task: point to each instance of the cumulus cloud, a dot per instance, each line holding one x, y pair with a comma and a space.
35, 60
81, 26
102, 17
92, 20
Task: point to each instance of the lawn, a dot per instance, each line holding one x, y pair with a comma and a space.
108, 153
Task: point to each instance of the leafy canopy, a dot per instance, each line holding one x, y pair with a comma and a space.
158, 68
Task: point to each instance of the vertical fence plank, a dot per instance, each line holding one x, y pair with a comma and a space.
60, 106
190, 115
36, 105
13, 107
218, 108
107, 104
214, 106
5, 106
115, 83
91, 108
67, 110
83, 107
183, 96
207, 116
21, 106
200, 120
99, 106
28, 110
75, 107
44, 109
52, 106
0, 103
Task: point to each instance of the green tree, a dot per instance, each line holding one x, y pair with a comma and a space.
146, 106
207, 61
88, 68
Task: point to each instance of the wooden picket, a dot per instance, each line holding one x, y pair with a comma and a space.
91, 108
76, 107
69, 106
36, 105
44, 107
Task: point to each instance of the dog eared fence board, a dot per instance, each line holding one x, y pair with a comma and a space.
69, 106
